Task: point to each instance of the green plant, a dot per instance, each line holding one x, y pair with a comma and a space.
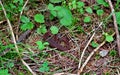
56, 1
102, 2
94, 44
108, 38
4, 72
73, 4
97, 56
42, 29
113, 53
79, 29
10, 65
26, 24
117, 5
107, 73
12, 7
44, 67
96, 7
118, 17
100, 12
39, 18
4, 47
81, 11
63, 13
80, 4
87, 19
89, 10
54, 29
41, 45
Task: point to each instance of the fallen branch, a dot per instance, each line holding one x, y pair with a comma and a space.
83, 52
115, 25
90, 55
80, 60
14, 40
64, 74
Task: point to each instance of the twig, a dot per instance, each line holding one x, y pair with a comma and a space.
118, 72
90, 55
33, 73
2, 21
80, 60
64, 74
14, 40
115, 25
21, 15
10, 27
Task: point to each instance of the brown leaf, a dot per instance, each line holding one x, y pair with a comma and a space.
56, 42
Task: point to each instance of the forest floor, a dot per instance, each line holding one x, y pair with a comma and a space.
59, 37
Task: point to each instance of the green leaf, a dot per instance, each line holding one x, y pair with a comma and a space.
94, 44
118, 17
40, 45
54, 29
100, 12
65, 16
12, 6
44, 67
87, 19
15, 1
100, 1
50, 6
65, 22
74, 4
54, 13
10, 65
39, 18
89, 10
42, 29
4, 72
113, 53
21, 2
80, 4
24, 19
81, 11
103, 3
56, 1
27, 26
96, 7
51, 17
45, 43
108, 38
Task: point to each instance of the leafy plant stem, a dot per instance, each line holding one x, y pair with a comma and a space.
21, 15
14, 40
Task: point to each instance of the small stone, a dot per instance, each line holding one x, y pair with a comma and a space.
103, 53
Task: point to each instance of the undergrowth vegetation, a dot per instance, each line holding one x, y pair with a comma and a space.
52, 34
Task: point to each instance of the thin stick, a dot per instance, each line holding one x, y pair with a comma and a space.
118, 72
21, 15
14, 40
80, 60
115, 25
10, 27
90, 55
33, 73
